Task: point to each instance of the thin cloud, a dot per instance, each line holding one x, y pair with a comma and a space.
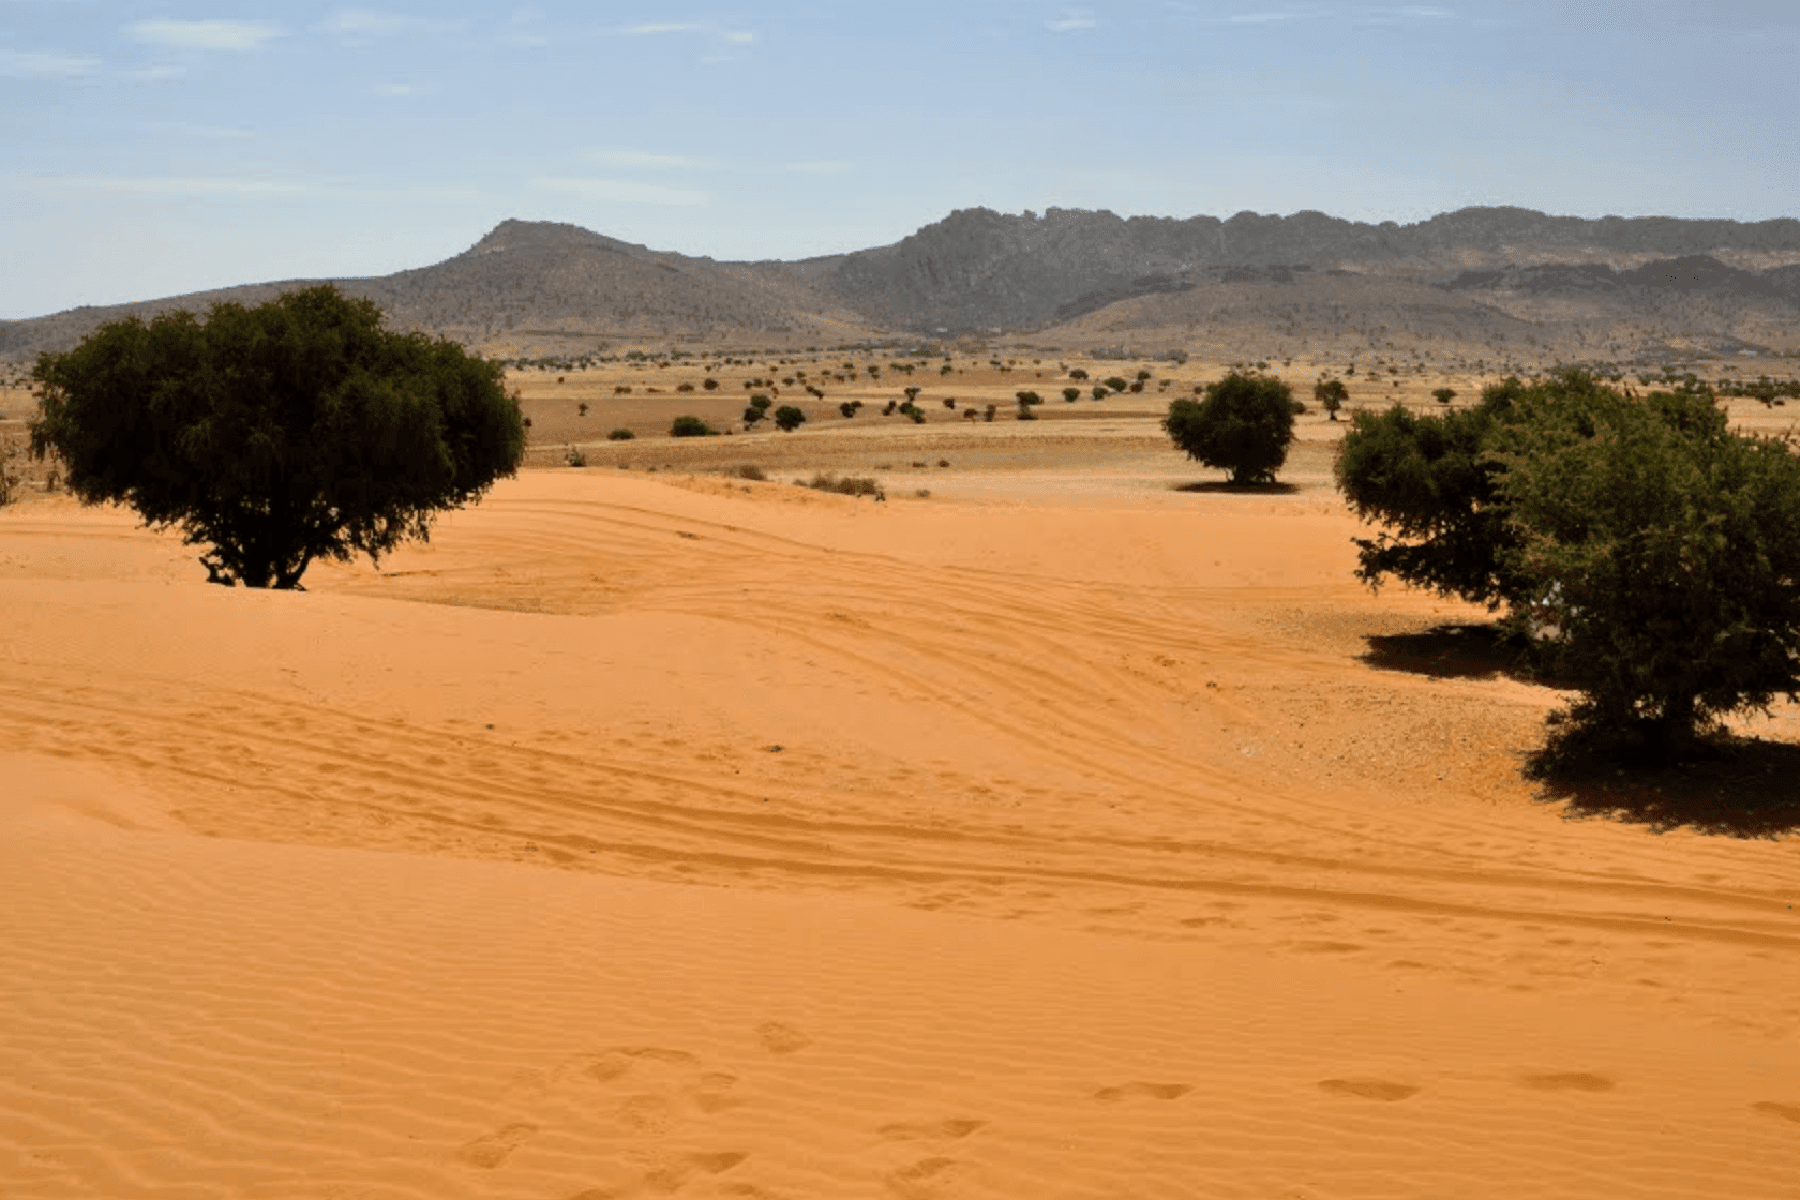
735, 37
835, 166
40, 64
641, 160
1414, 12
1071, 21
363, 25
624, 191
165, 186
206, 35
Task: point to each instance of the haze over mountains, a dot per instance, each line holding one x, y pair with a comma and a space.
1505, 283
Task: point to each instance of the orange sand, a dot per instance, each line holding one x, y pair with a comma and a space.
1049, 837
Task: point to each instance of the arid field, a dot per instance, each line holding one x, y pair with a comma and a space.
1063, 825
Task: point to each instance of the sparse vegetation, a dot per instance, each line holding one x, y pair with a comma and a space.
621, 435
788, 418
690, 427
825, 481
1331, 395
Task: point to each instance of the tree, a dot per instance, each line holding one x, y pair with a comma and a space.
1116, 382
710, 384
788, 418
1243, 425
690, 427
1078, 374
1331, 395
847, 409
1100, 392
1071, 394
1028, 398
1444, 395
1661, 553
1430, 480
295, 430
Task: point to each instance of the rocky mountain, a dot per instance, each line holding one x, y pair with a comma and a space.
979, 269
1479, 277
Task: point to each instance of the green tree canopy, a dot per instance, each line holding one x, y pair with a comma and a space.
1654, 553
1661, 551
295, 430
1243, 425
1430, 481
1331, 395
789, 418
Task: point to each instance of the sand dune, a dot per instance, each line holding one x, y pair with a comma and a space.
647, 836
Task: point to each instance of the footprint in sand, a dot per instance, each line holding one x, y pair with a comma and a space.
777, 1038
924, 1179
1569, 1081
673, 1174
954, 1129
486, 1153
1148, 1091
1787, 1112
1368, 1089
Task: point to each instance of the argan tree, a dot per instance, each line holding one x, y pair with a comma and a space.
788, 418
295, 430
1243, 425
1331, 395
1664, 551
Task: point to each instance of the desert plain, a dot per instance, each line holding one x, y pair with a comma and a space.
1060, 825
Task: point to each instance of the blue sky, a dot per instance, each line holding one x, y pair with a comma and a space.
148, 149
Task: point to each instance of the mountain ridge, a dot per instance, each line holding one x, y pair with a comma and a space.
537, 286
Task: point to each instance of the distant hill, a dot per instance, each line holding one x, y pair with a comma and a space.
1480, 282
534, 287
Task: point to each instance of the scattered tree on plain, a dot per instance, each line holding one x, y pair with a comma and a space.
690, 427
1331, 395
1243, 425
295, 430
788, 418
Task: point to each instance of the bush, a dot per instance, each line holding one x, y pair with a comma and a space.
1029, 398
1116, 383
295, 430
1071, 395
1243, 426
788, 418
1078, 374
760, 401
1100, 393
847, 409
620, 435
1444, 395
690, 427
1025, 413
825, 481
750, 471
710, 384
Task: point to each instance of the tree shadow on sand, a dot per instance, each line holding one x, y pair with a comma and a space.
1453, 652
1741, 787
1732, 787
1237, 489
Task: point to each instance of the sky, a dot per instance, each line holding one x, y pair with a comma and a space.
152, 149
